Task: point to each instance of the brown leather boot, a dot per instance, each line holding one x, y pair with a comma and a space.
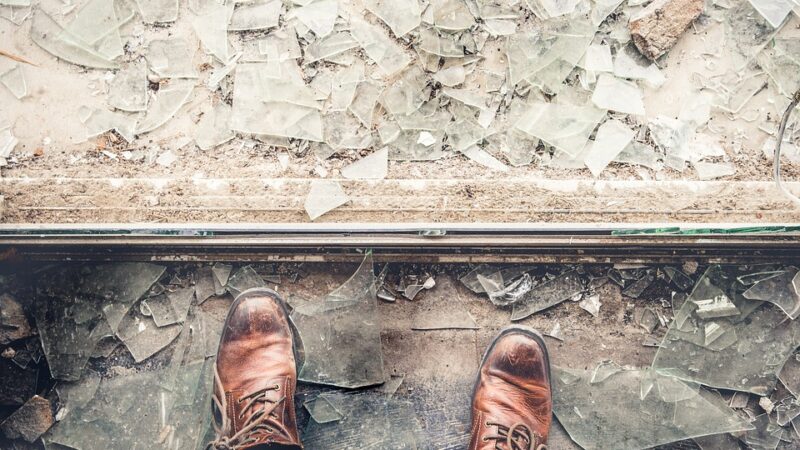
512, 403
255, 376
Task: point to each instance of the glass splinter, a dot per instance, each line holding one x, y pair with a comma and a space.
244, 279
780, 290
324, 196
341, 334
759, 338
548, 294
322, 410
166, 104
669, 411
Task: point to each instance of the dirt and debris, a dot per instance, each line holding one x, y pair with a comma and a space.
30, 421
14, 324
656, 28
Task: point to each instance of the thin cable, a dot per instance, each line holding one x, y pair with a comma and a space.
777, 156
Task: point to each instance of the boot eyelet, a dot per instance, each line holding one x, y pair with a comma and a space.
277, 386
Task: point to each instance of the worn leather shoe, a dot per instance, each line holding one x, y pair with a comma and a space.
512, 403
256, 376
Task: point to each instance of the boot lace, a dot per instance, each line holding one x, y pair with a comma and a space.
261, 421
515, 437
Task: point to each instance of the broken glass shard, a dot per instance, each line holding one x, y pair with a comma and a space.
753, 278
440, 44
330, 46
718, 306
598, 58
171, 307
324, 196
678, 279
320, 16
451, 15
258, 15
511, 293
322, 410
451, 76
158, 11
143, 337
565, 127
279, 46
389, 56
612, 137
268, 100
766, 435
211, 27
95, 27
443, 312
546, 59
66, 335
630, 64
49, 35
640, 154
499, 27
780, 290
341, 334
758, 337
602, 9
787, 411
401, 17
604, 370
555, 332
120, 285
391, 385
221, 273
790, 374
343, 87
711, 171
775, 11
243, 279
168, 101
638, 421
99, 121
363, 105
548, 294
591, 304
171, 58
133, 411
213, 128
13, 78
646, 318
618, 95
128, 90
392, 424
483, 158
371, 167
672, 136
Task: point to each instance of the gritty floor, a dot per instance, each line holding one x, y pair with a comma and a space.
439, 366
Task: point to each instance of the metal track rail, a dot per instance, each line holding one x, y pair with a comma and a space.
467, 244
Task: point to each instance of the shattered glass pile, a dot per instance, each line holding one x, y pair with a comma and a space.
560, 84
733, 334
130, 350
